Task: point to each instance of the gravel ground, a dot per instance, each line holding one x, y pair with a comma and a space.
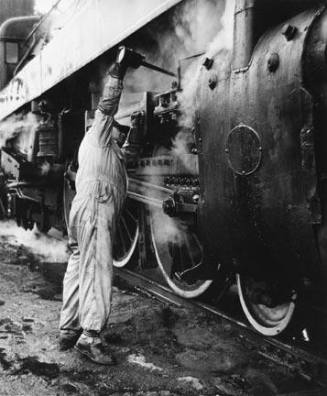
160, 350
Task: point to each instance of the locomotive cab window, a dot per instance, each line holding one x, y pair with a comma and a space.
12, 52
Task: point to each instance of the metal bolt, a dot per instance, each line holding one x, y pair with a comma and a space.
289, 31
196, 198
207, 63
169, 207
174, 85
273, 62
213, 81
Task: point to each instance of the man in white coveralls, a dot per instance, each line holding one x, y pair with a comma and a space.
100, 194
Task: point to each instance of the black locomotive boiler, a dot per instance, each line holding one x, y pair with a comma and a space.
237, 194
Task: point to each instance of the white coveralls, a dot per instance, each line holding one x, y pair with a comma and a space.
100, 192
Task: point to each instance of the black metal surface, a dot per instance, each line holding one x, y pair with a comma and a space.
259, 213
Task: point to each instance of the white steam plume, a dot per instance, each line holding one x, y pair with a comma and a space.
46, 247
22, 125
198, 26
221, 44
220, 48
224, 38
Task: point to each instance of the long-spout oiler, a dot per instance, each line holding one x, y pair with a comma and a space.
158, 69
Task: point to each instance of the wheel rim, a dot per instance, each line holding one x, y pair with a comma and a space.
68, 196
268, 321
177, 248
127, 234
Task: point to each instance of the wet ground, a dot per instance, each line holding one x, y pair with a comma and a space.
160, 349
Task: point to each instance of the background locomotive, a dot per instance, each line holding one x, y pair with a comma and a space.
227, 165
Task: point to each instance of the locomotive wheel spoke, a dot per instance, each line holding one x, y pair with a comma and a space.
196, 239
189, 250
121, 239
131, 215
123, 222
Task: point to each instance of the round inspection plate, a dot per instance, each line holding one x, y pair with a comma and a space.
243, 150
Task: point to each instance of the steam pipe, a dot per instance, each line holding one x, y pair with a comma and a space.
250, 18
244, 35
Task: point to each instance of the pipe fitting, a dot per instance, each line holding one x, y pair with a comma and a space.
289, 31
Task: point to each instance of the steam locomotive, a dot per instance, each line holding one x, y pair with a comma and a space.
244, 194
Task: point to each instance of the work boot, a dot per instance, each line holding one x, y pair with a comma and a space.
68, 339
91, 347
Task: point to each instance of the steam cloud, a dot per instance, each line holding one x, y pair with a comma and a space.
204, 26
194, 26
220, 49
21, 126
220, 46
48, 248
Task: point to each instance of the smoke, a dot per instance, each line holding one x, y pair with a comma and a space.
168, 230
195, 27
181, 149
219, 49
47, 247
183, 31
21, 126
224, 38
45, 168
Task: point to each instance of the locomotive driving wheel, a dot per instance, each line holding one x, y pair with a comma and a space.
177, 248
268, 307
127, 229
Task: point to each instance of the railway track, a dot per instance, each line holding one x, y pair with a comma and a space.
309, 365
